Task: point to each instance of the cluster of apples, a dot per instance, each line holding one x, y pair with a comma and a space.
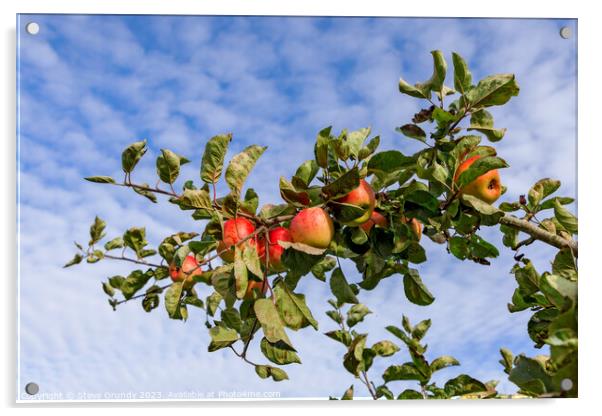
314, 227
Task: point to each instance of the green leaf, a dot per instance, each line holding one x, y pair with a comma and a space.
459, 247
542, 189
321, 147
213, 158
435, 83
409, 394
483, 207
305, 173
340, 288
385, 348
407, 371
388, 161
482, 121
507, 359
288, 192
297, 261
265, 371
356, 314
493, 90
420, 329
462, 75
97, 230
415, 290
325, 265
292, 308
342, 185
565, 218
557, 289
100, 179
369, 148
549, 203
272, 325
135, 238
172, 300
564, 265
480, 167
221, 338
279, 352
117, 242
530, 375
75, 260
168, 165
240, 273
195, 199
145, 193
412, 131
348, 395
341, 336
132, 154
463, 384
443, 362
241, 165
353, 360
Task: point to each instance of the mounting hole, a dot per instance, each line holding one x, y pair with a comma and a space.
32, 28
32, 389
565, 32
566, 384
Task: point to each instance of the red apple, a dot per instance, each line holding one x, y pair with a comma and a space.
486, 187
190, 268
275, 250
375, 219
312, 226
254, 286
363, 197
234, 231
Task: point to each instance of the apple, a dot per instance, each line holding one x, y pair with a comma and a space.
313, 227
254, 286
235, 230
486, 187
275, 250
415, 226
375, 219
363, 197
190, 268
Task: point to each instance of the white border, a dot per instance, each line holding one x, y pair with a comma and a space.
589, 179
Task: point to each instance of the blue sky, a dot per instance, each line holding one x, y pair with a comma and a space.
90, 85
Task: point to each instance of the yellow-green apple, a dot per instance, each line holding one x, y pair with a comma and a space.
235, 230
362, 197
375, 219
253, 286
275, 250
190, 268
313, 227
486, 187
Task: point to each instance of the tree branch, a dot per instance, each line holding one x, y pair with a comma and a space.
539, 233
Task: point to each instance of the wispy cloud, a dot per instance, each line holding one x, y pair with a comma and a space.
91, 85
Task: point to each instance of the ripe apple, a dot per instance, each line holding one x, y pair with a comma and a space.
486, 187
312, 226
254, 286
235, 230
415, 226
363, 197
190, 268
375, 219
275, 250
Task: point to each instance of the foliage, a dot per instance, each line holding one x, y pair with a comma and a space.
423, 186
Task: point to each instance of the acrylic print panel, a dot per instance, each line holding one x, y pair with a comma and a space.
465, 248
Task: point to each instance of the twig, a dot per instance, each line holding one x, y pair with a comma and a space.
539, 233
